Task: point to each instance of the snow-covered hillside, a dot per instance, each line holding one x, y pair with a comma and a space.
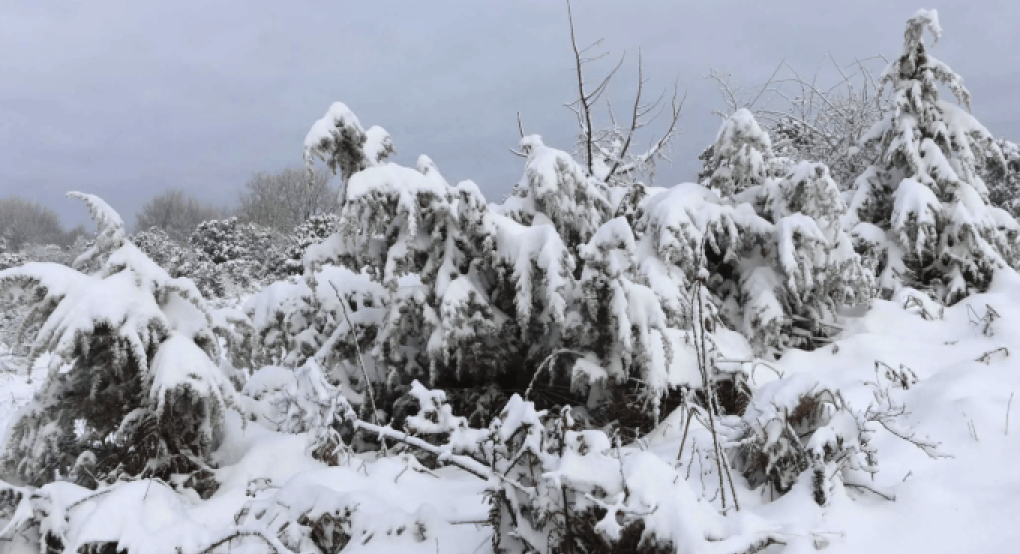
958, 494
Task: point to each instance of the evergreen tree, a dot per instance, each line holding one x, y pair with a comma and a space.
740, 158
925, 194
556, 187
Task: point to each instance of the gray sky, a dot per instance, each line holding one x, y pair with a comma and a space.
124, 98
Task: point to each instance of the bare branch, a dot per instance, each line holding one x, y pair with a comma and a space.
634, 117
580, 85
767, 83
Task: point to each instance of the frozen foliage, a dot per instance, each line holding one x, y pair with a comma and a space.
132, 386
925, 191
622, 322
224, 258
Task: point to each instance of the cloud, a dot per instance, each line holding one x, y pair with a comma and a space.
125, 98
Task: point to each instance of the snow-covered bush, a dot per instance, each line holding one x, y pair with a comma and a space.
796, 427
775, 255
12, 259
445, 288
225, 258
556, 186
316, 229
923, 206
819, 268
549, 291
133, 386
339, 140
182, 260
550, 488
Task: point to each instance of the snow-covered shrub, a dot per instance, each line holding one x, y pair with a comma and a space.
796, 427
924, 194
12, 259
775, 255
182, 260
548, 291
448, 290
316, 229
225, 258
339, 140
133, 387
244, 254
621, 322
819, 268
550, 487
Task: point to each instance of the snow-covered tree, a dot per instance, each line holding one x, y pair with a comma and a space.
1003, 181
344, 145
820, 269
133, 386
923, 205
740, 158
556, 189
621, 322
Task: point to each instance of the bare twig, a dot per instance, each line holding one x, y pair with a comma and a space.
872, 490
683, 441
361, 359
986, 358
709, 392
547, 362
585, 100
1008, 406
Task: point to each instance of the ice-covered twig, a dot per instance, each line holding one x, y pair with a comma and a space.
466, 463
986, 358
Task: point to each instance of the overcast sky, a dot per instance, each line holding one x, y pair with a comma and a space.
125, 98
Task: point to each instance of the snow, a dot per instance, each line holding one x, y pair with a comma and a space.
403, 182
519, 247
179, 364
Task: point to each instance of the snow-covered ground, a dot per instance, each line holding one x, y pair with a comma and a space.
963, 498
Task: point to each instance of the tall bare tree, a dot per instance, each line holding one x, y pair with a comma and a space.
23, 221
176, 213
608, 151
284, 200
